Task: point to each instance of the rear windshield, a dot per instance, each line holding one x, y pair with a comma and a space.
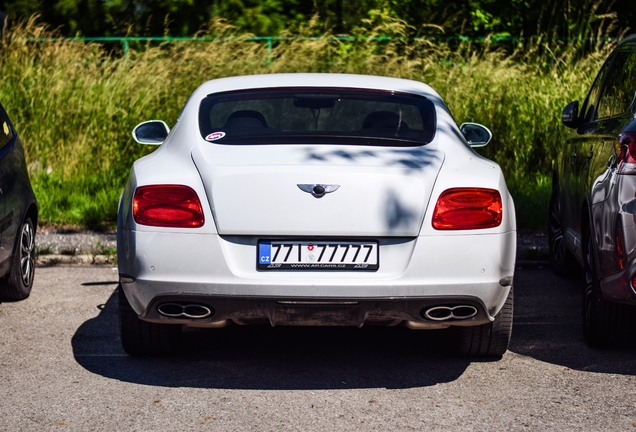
316, 115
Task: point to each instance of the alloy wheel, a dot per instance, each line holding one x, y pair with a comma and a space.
27, 254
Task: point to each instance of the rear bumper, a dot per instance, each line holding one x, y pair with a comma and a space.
220, 272
320, 312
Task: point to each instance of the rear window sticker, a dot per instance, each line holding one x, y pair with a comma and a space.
215, 136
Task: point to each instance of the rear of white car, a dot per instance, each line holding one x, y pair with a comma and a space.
311, 199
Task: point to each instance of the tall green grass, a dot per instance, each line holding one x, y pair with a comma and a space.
75, 103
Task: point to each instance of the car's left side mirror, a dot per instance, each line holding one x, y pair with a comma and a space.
477, 135
570, 115
153, 132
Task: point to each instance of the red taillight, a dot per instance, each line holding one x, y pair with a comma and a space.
468, 208
627, 155
172, 206
619, 251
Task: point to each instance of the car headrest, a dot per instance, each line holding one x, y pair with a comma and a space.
246, 118
383, 120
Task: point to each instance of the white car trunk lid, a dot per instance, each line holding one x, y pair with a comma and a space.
253, 190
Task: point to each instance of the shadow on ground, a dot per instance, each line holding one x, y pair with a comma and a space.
547, 328
261, 357
548, 316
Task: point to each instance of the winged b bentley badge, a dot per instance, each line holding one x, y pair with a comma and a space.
318, 190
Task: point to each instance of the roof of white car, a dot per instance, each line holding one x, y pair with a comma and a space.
315, 80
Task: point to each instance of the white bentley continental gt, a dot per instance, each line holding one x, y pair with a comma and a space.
315, 200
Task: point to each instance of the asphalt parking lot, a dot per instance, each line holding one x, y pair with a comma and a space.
62, 368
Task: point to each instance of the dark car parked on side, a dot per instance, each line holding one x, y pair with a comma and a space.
18, 216
592, 216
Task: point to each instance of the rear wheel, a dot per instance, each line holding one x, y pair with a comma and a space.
605, 323
141, 338
17, 284
562, 262
489, 340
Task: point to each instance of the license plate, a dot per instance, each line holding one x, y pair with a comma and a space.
318, 255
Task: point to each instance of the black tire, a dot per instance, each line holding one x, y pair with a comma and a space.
605, 323
489, 340
561, 260
18, 283
141, 338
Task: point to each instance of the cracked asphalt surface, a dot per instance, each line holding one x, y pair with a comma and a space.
62, 368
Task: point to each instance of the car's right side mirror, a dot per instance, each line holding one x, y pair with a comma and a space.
570, 116
152, 132
475, 134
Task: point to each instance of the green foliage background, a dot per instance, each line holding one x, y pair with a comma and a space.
571, 18
75, 103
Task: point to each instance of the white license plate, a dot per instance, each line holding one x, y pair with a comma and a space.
318, 255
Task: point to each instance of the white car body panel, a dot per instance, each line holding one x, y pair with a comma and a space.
250, 193
410, 268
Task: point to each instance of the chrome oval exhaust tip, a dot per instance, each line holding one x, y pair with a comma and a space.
178, 310
443, 313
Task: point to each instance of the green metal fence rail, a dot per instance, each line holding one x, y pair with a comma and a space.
126, 40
